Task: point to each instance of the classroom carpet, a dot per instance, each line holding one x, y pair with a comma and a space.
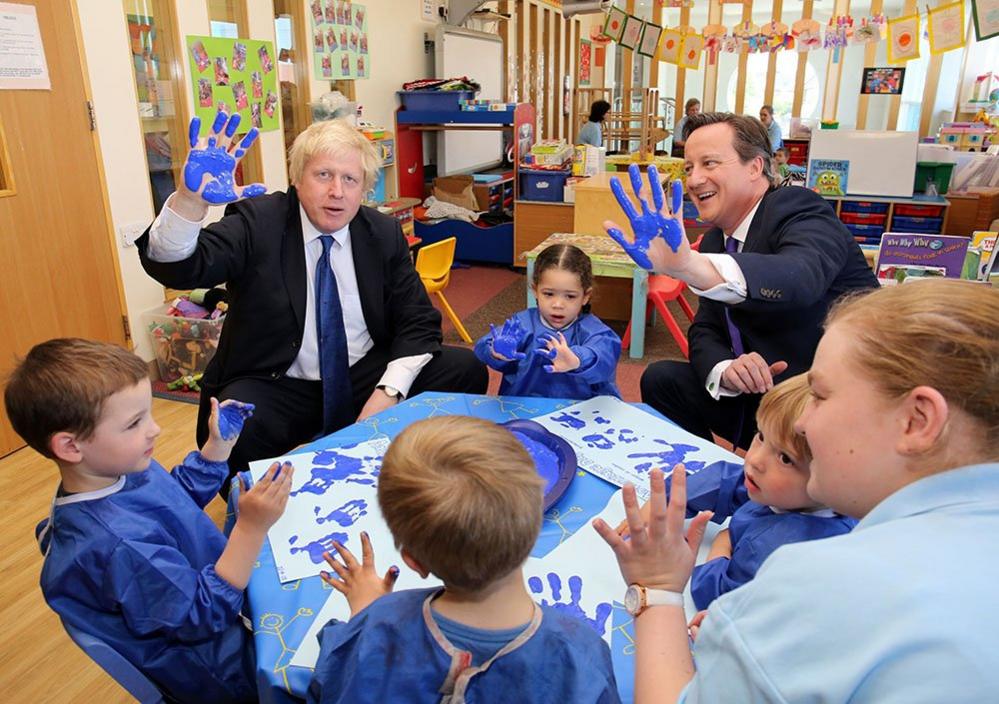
160, 390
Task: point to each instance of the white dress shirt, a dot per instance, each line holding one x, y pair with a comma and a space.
173, 238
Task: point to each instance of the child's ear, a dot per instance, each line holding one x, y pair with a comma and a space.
66, 447
586, 295
412, 564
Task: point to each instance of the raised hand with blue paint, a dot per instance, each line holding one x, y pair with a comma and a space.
224, 426
507, 341
211, 165
555, 349
660, 243
571, 607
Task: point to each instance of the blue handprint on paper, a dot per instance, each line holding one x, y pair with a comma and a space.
569, 421
346, 515
317, 547
668, 458
649, 224
507, 341
571, 608
331, 467
216, 162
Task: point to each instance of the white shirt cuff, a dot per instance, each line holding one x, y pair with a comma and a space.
172, 238
733, 289
713, 385
401, 373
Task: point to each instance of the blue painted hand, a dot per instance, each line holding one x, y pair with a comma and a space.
232, 415
555, 348
210, 169
571, 608
648, 225
508, 339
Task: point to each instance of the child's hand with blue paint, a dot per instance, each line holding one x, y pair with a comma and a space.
358, 581
224, 427
557, 350
660, 243
261, 504
507, 341
209, 172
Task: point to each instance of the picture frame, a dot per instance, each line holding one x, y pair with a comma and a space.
614, 24
886, 80
632, 32
985, 14
649, 41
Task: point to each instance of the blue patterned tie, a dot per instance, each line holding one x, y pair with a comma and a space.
334, 363
732, 246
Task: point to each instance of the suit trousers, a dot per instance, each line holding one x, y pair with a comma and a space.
289, 411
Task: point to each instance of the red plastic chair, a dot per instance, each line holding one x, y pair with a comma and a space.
663, 288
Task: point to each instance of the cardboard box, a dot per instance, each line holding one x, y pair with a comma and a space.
457, 190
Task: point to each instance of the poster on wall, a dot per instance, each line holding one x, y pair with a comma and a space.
690, 51
986, 16
903, 39
585, 61
882, 81
946, 24
339, 40
234, 76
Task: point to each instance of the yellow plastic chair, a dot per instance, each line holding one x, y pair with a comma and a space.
433, 264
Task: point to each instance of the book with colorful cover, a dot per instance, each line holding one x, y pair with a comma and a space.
926, 254
828, 177
984, 242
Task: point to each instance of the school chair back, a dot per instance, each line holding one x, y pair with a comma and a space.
121, 670
662, 289
433, 264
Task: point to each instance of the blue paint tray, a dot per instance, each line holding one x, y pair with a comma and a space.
557, 474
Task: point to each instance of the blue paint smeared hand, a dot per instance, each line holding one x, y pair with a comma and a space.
571, 608
508, 339
648, 224
232, 415
215, 162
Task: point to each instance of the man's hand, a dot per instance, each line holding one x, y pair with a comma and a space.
209, 171
358, 581
722, 546
660, 243
750, 374
376, 403
557, 350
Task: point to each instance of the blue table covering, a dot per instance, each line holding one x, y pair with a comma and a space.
282, 613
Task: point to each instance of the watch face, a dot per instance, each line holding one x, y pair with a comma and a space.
632, 600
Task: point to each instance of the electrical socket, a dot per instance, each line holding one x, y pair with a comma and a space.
130, 233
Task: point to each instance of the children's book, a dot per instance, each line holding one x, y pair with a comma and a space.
984, 242
922, 255
828, 177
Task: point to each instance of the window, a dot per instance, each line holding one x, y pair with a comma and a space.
787, 70
292, 68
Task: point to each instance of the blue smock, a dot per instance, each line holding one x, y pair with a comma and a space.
134, 565
755, 530
597, 346
394, 651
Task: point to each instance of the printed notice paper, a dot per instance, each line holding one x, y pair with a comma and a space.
22, 56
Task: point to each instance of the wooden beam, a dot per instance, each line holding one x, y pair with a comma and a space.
546, 58
681, 72
929, 94
834, 71
711, 71
520, 95
627, 59
895, 101
509, 80
768, 90
657, 18
740, 81
799, 78
870, 56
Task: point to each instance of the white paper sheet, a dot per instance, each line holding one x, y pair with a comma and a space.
621, 443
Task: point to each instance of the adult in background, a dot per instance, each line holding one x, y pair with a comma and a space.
690, 108
592, 131
767, 271
328, 322
773, 129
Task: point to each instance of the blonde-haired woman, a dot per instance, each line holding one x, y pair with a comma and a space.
902, 428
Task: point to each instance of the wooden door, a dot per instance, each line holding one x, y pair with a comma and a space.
59, 273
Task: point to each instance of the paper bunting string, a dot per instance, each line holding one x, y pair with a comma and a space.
946, 25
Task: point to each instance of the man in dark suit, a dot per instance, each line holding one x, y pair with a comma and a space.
766, 273
306, 270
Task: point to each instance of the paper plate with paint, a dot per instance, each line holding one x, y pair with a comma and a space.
553, 457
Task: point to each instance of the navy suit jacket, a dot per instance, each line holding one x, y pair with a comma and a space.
797, 259
257, 251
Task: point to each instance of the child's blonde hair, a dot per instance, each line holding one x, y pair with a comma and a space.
61, 386
779, 408
943, 334
334, 137
462, 496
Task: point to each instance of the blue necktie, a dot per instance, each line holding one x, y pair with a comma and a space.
732, 246
334, 364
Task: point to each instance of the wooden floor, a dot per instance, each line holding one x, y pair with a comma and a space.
38, 661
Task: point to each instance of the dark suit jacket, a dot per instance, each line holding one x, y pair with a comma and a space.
797, 259
257, 251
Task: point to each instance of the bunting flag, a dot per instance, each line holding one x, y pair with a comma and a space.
946, 24
903, 39
614, 24
669, 45
690, 51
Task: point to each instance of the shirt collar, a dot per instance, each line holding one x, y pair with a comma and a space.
90, 495
310, 233
953, 487
743, 228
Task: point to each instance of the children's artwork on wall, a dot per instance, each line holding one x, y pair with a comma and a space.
986, 16
828, 177
946, 24
690, 51
340, 40
808, 35
621, 443
649, 40
233, 74
713, 34
882, 81
614, 24
669, 45
868, 31
903, 39
585, 61
632, 32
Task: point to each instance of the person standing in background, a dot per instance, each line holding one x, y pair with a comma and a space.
592, 133
690, 108
773, 129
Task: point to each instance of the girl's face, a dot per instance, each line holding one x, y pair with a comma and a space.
560, 296
852, 429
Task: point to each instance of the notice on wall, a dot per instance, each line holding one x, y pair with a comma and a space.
339, 40
22, 56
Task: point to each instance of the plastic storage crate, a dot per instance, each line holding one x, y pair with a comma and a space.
935, 171
863, 218
183, 346
865, 230
433, 99
919, 211
910, 224
541, 185
863, 206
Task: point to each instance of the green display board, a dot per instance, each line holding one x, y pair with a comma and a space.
339, 40
236, 76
